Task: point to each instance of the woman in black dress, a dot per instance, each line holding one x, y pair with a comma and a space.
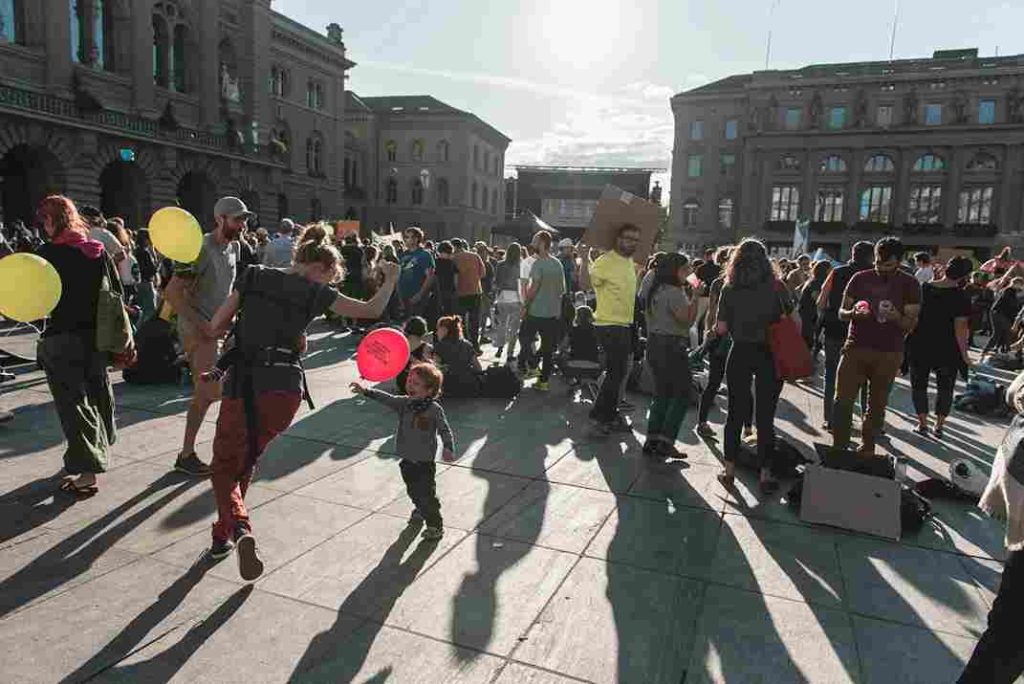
939, 343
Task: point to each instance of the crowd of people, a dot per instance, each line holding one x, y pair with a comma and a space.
537, 309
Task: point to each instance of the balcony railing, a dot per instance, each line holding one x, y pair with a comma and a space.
923, 229
60, 107
976, 230
779, 226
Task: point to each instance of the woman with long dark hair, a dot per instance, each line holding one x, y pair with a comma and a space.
670, 315
752, 299
75, 370
939, 342
808, 305
508, 302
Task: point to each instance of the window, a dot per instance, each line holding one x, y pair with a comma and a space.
278, 81
727, 163
695, 166
932, 114
876, 204
442, 192
837, 118
691, 212
833, 163
12, 27
170, 46
828, 205
314, 95
160, 46
928, 163
987, 112
697, 130
731, 129
442, 151
975, 206
392, 191
314, 156
92, 28
880, 163
983, 162
476, 195
417, 150
391, 150
925, 204
494, 201
178, 48
476, 157
884, 115
788, 163
417, 191
725, 209
792, 121
785, 203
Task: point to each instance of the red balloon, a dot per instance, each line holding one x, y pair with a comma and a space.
382, 354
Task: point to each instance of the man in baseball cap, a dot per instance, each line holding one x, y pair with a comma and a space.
196, 292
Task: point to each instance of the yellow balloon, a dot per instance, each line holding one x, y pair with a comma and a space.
29, 287
176, 234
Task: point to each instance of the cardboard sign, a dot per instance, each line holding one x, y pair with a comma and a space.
851, 501
615, 208
343, 228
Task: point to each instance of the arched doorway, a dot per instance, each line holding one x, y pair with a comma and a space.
28, 175
124, 192
197, 194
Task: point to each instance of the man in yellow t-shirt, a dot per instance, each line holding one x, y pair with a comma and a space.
613, 278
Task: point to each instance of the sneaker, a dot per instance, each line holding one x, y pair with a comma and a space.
191, 465
250, 565
433, 533
220, 549
666, 450
542, 386
415, 518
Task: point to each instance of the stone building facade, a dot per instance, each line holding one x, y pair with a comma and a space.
414, 160
131, 105
928, 149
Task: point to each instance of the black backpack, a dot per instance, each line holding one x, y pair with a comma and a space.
500, 382
158, 360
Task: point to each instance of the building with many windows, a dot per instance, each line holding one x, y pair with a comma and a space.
928, 149
131, 105
414, 160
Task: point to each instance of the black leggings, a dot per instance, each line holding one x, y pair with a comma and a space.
716, 373
751, 362
945, 379
1000, 340
998, 657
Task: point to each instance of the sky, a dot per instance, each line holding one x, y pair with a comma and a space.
588, 82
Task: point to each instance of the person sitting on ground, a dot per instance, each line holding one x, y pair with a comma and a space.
457, 357
416, 332
584, 353
421, 420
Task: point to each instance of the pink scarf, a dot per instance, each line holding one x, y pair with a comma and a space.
92, 249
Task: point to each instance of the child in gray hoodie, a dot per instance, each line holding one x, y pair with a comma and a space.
421, 420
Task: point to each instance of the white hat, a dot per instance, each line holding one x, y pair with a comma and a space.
564, 242
967, 476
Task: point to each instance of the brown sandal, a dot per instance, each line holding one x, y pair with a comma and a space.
72, 487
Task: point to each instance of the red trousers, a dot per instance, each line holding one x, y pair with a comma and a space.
232, 470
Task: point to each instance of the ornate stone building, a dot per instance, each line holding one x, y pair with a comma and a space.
414, 160
131, 105
930, 149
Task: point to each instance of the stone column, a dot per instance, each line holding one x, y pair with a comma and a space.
57, 41
951, 192
1004, 192
901, 191
208, 72
142, 69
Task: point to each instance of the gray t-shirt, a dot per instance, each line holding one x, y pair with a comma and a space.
418, 432
547, 274
660, 317
211, 276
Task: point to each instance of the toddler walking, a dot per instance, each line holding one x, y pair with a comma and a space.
420, 421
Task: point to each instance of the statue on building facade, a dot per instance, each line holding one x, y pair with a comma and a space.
960, 107
229, 88
815, 110
860, 109
910, 107
1015, 105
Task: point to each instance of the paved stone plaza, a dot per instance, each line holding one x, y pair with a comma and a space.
566, 557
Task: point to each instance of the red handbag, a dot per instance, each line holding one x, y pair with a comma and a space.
792, 357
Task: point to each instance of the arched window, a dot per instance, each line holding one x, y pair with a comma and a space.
983, 162
391, 150
12, 21
927, 163
392, 191
178, 48
476, 195
314, 156
833, 163
788, 163
442, 192
417, 191
725, 209
417, 150
691, 212
442, 151
92, 33
879, 163
160, 47
314, 95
